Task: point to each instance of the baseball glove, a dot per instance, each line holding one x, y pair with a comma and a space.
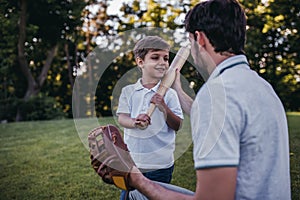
110, 157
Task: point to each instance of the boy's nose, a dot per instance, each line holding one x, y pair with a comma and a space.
162, 61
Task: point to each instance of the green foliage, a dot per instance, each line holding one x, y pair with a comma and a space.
54, 20
48, 23
8, 109
268, 47
165, 16
8, 44
41, 107
272, 45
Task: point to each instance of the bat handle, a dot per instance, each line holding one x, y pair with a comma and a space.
151, 109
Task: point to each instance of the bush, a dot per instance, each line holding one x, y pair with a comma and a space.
8, 109
41, 108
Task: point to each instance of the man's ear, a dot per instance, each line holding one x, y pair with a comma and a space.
139, 62
201, 38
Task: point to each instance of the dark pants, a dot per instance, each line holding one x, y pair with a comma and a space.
160, 175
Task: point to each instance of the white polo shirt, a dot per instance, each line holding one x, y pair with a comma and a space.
153, 147
238, 120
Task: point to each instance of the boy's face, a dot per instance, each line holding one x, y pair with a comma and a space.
154, 65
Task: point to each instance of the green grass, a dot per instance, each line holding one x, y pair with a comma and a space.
294, 134
48, 160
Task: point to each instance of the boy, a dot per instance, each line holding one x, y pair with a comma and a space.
151, 142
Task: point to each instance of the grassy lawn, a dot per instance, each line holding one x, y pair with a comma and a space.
47, 160
294, 131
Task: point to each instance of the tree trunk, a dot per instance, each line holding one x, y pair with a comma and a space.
43, 75
23, 63
33, 86
70, 67
21, 55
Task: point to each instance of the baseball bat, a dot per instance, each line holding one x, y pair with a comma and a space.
169, 77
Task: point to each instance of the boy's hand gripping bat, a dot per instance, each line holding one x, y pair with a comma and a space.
169, 77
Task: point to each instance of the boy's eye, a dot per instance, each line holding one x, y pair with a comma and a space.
157, 57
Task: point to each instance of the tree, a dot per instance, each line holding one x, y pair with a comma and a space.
272, 46
8, 43
55, 38
163, 15
43, 26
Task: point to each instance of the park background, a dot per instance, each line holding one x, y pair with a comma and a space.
44, 46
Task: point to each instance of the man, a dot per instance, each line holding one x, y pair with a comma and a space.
239, 125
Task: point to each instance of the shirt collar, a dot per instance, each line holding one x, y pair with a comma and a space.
238, 59
139, 86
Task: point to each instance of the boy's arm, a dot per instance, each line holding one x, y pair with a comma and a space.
126, 121
173, 121
140, 122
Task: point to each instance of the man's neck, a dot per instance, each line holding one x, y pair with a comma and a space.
217, 58
220, 57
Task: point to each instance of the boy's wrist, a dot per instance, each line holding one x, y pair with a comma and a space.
133, 123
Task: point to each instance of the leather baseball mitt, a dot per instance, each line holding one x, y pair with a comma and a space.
110, 157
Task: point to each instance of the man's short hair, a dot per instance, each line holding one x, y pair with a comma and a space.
222, 21
143, 46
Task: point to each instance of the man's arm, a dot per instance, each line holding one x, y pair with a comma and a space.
212, 184
185, 100
173, 121
152, 190
217, 183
